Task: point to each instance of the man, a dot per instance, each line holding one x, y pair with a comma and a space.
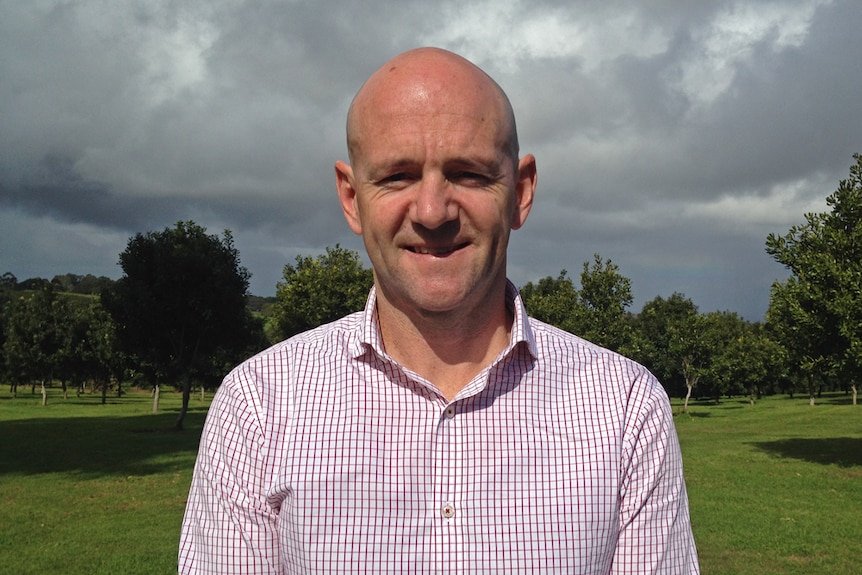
441, 430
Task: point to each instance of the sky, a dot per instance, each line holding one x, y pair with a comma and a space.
672, 137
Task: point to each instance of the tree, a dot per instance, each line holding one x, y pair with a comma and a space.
817, 312
87, 284
552, 300
92, 354
806, 330
723, 335
32, 284
750, 360
603, 299
596, 311
672, 344
320, 290
8, 281
181, 302
37, 329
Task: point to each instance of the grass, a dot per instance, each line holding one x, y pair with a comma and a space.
775, 487
89, 488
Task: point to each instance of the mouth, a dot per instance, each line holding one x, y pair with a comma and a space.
435, 251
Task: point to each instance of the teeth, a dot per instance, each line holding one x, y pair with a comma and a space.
432, 251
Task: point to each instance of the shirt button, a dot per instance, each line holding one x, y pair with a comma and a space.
447, 511
450, 412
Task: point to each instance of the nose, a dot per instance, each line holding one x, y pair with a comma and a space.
433, 205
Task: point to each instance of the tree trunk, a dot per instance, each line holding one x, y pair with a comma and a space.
156, 398
687, 396
203, 393
853, 387
187, 391
811, 399
119, 387
44, 394
104, 392
65, 390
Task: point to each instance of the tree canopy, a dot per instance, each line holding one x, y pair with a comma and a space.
36, 337
671, 341
817, 312
321, 289
596, 311
552, 300
604, 299
181, 303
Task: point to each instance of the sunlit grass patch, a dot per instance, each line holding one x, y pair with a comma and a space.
775, 487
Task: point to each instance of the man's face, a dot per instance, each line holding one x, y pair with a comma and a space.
434, 192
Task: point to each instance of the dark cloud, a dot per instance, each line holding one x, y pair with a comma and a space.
671, 136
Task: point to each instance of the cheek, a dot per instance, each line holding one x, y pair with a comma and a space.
493, 214
383, 218
376, 224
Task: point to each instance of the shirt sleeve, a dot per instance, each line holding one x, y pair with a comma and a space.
229, 526
655, 529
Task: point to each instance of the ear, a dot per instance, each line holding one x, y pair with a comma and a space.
347, 196
525, 189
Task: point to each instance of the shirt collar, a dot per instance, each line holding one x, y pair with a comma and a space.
521, 331
368, 332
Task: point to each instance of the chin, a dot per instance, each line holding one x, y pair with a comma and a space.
441, 301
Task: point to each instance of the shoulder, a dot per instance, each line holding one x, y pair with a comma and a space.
266, 377
572, 358
553, 342
333, 339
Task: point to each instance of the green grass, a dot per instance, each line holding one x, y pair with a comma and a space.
90, 489
775, 487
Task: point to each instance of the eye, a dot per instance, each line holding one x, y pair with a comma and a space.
395, 180
469, 179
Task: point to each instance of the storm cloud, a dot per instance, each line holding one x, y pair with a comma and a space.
671, 137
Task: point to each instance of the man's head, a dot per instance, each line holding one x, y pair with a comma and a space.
420, 62
435, 184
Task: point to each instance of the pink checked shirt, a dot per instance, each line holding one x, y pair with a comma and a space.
323, 455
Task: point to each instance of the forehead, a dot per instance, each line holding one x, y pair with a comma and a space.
431, 116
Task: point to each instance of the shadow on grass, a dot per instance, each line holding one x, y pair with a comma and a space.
841, 451
826, 398
139, 445
835, 400
723, 404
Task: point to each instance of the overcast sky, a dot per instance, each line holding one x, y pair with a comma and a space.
671, 136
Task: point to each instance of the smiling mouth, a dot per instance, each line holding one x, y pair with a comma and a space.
439, 251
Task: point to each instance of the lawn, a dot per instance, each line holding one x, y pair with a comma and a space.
775, 487
90, 488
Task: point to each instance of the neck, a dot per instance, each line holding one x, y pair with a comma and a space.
448, 349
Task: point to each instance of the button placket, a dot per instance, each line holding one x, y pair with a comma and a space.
449, 469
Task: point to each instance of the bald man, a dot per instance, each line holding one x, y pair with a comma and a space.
440, 430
